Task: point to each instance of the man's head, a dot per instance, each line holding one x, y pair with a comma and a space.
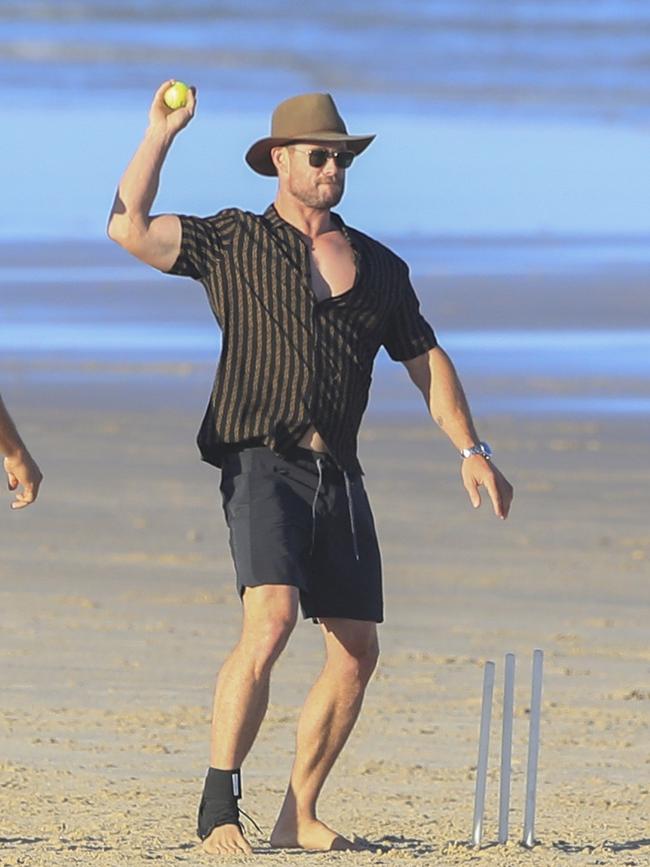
307, 122
313, 172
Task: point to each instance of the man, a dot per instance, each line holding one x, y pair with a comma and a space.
304, 303
23, 475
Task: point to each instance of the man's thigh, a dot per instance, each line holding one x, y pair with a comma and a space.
268, 511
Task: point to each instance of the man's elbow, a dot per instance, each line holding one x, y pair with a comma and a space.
113, 231
117, 231
123, 233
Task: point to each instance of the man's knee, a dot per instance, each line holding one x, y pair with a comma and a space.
355, 652
365, 660
270, 614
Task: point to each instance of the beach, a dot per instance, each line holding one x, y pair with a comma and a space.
119, 603
510, 172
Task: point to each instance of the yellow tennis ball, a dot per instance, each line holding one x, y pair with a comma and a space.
176, 95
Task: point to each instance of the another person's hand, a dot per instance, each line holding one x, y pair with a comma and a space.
477, 471
173, 120
23, 476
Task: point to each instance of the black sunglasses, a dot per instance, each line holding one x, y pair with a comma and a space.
319, 156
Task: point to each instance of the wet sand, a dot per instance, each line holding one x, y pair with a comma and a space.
118, 606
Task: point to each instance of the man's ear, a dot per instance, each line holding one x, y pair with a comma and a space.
279, 158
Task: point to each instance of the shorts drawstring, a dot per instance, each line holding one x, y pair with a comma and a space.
319, 464
353, 526
348, 493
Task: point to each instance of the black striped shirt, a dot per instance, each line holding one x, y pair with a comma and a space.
289, 361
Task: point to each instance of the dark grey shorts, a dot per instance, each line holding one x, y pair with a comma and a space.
293, 520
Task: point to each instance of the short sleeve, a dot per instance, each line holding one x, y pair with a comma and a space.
203, 241
408, 333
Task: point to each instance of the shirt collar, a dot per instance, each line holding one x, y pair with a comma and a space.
276, 221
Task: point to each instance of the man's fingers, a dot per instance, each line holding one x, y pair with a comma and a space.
473, 493
24, 498
161, 90
501, 492
24, 478
495, 496
498, 488
507, 498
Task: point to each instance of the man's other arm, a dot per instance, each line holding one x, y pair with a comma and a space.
434, 375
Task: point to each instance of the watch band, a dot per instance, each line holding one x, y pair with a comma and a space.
481, 448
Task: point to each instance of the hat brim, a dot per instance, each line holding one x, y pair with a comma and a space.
259, 159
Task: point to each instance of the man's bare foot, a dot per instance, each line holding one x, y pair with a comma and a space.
311, 834
227, 840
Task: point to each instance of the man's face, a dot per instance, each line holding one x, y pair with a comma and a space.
315, 187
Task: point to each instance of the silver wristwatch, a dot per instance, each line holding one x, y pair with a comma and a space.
479, 449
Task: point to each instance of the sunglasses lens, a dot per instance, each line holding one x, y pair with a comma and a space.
317, 158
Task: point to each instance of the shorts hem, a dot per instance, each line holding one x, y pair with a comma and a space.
243, 585
317, 618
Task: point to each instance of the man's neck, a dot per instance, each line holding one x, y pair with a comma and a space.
312, 222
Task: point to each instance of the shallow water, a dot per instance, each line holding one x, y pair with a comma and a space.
521, 116
512, 139
564, 353
58, 351
561, 57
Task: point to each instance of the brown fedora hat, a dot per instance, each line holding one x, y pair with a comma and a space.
310, 117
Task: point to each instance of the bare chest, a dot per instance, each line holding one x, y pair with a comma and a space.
333, 266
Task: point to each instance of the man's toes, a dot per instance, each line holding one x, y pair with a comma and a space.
242, 845
221, 843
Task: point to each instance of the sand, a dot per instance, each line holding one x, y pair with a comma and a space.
118, 606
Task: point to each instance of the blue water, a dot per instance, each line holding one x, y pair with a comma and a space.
579, 405
518, 116
61, 352
564, 57
425, 174
567, 353
512, 138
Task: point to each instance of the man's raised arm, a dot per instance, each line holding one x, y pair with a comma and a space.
435, 376
154, 240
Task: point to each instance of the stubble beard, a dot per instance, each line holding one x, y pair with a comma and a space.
322, 196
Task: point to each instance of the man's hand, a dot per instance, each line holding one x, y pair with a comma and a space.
171, 120
477, 471
22, 472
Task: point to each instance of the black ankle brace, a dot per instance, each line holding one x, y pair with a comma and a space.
221, 791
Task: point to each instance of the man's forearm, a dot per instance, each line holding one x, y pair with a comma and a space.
10, 441
139, 185
435, 376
